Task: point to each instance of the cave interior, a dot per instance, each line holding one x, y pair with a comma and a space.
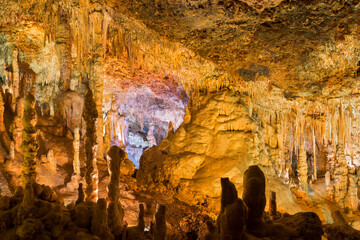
139, 119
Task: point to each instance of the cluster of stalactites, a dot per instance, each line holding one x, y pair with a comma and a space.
315, 139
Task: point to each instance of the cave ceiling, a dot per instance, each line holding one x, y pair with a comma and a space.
301, 49
305, 48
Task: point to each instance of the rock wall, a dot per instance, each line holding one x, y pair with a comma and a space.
220, 137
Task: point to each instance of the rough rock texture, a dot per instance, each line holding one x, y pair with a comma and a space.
99, 220
91, 173
69, 108
160, 223
115, 210
219, 137
29, 144
254, 198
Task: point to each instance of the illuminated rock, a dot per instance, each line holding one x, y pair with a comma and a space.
76, 144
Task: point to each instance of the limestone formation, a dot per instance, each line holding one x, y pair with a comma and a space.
99, 221
141, 223
2, 109
341, 176
272, 204
116, 213
76, 144
17, 124
302, 167
52, 160
233, 221
16, 78
160, 223
228, 193
98, 29
254, 198
29, 145
171, 129
12, 150
91, 174
63, 46
150, 136
81, 195
27, 205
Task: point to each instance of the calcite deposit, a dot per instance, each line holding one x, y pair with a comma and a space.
147, 119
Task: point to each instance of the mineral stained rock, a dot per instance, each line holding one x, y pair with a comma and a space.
91, 174
29, 144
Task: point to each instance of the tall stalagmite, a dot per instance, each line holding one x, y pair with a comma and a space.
341, 176
116, 213
76, 143
2, 111
29, 144
302, 167
91, 174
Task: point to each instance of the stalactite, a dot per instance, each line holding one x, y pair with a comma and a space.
91, 174
63, 46
29, 144
96, 17
16, 78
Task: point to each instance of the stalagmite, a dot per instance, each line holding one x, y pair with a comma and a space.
141, 222
341, 176
254, 197
228, 193
171, 129
327, 180
81, 195
302, 167
99, 221
91, 174
314, 155
17, 126
116, 213
12, 150
76, 144
272, 204
150, 136
51, 159
2, 111
29, 144
160, 222
27, 204
353, 190
232, 222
